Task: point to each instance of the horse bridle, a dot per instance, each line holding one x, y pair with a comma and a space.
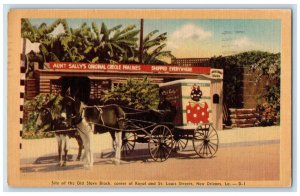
49, 111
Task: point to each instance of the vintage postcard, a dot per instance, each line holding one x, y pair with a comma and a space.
149, 98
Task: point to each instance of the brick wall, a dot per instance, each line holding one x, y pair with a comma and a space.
251, 89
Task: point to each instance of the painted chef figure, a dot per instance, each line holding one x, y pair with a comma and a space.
197, 112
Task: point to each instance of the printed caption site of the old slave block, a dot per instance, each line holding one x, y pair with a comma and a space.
89, 183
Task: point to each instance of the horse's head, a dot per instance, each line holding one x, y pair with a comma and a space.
44, 117
73, 107
44, 113
70, 106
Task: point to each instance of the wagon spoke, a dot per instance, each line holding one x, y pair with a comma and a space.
202, 148
207, 150
162, 131
210, 143
208, 147
210, 136
167, 148
202, 145
155, 153
211, 146
169, 144
169, 138
181, 143
198, 145
163, 154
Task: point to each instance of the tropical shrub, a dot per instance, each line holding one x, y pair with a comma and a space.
32, 107
135, 94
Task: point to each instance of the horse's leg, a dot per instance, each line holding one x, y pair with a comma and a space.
59, 143
113, 137
118, 136
66, 148
86, 135
80, 145
91, 158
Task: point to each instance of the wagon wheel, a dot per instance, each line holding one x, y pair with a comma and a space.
181, 141
160, 143
128, 139
128, 142
205, 141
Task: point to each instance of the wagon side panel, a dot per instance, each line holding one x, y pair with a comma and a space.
173, 95
196, 111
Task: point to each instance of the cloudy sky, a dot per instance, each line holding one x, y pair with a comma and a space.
201, 37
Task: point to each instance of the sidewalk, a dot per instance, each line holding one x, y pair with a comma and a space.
249, 136
35, 148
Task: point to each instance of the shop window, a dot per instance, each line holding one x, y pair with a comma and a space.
98, 87
55, 87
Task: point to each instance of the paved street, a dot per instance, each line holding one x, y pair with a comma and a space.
244, 154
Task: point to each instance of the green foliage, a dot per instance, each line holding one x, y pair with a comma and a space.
115, 45
32, 106
83, 44
92, 44
257, 62
232, 81
135, 94
260, 64
269, 66
153, 49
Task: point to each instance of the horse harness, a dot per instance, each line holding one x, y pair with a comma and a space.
100, 117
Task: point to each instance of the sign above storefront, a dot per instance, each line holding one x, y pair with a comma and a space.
216, 73
65, 66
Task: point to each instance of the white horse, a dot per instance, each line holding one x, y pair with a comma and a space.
99, 119
108, 118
